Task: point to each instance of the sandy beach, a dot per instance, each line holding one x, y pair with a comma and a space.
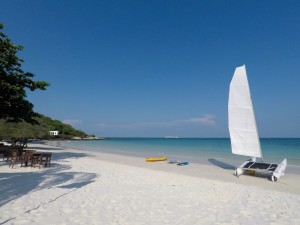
84, 187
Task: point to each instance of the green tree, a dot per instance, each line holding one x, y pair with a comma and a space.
14, 107
20, 133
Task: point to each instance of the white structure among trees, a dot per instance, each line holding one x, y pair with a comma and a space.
54, 132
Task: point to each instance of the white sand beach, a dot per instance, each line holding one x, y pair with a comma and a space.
97, 188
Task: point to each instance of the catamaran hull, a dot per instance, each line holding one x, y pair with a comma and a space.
251, 166
279, 171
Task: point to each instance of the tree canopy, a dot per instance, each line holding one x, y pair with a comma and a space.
14, 107
22, 132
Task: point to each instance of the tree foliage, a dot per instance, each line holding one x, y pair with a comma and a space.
22, 132
14, 107
65, 130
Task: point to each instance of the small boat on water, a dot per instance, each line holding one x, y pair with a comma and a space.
156, 159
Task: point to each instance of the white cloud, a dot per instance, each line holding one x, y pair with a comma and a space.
207, 120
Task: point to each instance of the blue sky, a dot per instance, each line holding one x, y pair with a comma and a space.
159, 68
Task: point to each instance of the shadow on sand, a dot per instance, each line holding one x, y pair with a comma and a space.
227, 166
222, 165
15, 185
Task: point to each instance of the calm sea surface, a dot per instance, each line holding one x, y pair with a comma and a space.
195, 150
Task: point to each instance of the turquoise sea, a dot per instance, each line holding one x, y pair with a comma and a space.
194, 150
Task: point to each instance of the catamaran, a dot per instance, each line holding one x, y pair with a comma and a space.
243, 131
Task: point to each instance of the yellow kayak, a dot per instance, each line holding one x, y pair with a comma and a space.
156, 159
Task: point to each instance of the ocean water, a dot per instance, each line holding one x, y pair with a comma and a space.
194, 150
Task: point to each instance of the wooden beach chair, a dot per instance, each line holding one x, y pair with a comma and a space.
45, 159
14, 157
27, 157
5, 152
36, 159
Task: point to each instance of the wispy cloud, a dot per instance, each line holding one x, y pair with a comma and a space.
72, 122
207, 120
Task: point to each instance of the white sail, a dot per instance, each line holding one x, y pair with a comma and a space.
242, 125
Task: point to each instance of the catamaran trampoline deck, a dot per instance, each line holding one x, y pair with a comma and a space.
260, 166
